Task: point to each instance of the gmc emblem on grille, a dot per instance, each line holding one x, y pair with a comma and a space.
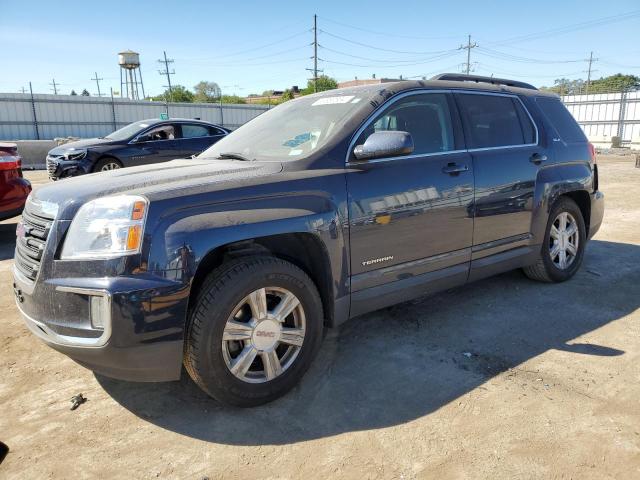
18, 293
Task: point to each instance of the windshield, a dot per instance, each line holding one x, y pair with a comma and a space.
290, 131
128, 131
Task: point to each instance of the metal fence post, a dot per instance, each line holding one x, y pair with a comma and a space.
221, 111
113, 111
33, 109
622, 115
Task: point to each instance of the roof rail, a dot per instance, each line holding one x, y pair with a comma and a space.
460, 77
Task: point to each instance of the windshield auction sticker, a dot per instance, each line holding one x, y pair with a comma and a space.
332, 100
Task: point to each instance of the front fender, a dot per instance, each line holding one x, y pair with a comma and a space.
552, 182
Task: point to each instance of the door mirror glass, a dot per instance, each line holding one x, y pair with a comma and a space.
389, 143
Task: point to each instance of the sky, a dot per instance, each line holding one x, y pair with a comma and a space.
250, 46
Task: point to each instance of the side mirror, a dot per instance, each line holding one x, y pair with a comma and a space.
387, 143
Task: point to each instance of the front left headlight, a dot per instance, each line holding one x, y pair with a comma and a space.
106, 227
75, 154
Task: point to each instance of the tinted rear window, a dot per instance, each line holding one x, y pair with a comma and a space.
494, 121
564, 123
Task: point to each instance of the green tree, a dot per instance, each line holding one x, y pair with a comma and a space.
178, 94
232, 99
615, 83
207, 92
85, 93
73, 92
610, 84
323, 83
288, 95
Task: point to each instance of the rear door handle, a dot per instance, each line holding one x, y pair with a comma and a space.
537, 158
454, 168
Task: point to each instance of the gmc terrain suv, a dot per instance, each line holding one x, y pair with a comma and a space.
324, 208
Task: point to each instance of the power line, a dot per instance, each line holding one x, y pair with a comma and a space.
253, 49
468, 47
55, 86
97, 80
387, 34
570, 28
399, 65
489, 52
374, 47
166, 72
376, 59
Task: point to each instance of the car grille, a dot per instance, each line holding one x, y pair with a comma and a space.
52, 165
30, 246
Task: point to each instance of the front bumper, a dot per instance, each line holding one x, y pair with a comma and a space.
142, 337
597, 213
59, 168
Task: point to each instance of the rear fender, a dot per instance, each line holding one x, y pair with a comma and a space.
552, 182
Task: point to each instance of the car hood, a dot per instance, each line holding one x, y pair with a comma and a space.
156, 181
87, 142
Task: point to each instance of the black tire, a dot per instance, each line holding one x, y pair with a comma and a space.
104, 161
219, 295
545, 270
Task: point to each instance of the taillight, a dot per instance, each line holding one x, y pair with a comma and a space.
11, 162
592, 152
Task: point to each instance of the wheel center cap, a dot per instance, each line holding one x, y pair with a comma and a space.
266, 334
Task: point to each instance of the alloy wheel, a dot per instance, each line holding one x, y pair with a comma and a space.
109, 166
263, 335
563, 240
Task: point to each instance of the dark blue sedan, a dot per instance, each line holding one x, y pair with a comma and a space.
139, 143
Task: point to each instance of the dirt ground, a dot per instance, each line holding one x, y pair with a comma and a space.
506, 378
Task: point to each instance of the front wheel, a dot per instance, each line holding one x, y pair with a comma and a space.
254, 330
106, 164
563, 246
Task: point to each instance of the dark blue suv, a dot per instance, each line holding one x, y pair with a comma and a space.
324, 208
139, 143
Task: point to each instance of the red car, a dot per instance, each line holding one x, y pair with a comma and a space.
14, 189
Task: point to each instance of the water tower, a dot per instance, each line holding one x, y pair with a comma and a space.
130, 75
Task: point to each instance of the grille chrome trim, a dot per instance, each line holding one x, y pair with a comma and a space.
32, 234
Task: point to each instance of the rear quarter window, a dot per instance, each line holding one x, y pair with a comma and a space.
561, 119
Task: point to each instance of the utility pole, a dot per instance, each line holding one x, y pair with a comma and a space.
589, 71
23, 90
468, 48
166, 72
55, 86
315, 54
97, 80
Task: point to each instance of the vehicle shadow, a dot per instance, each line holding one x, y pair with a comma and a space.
404, 362
7, 240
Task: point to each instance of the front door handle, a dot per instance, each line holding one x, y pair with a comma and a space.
454, 168
537, 158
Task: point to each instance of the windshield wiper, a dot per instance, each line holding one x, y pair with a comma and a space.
233, 156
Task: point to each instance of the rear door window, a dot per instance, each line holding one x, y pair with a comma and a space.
562, 120
194, 131
495, 121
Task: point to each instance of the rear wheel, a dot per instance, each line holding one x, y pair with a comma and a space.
254, 330
563, 246
106, 164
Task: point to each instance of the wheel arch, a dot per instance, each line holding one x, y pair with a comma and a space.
106, 156
572, 180
303, 249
